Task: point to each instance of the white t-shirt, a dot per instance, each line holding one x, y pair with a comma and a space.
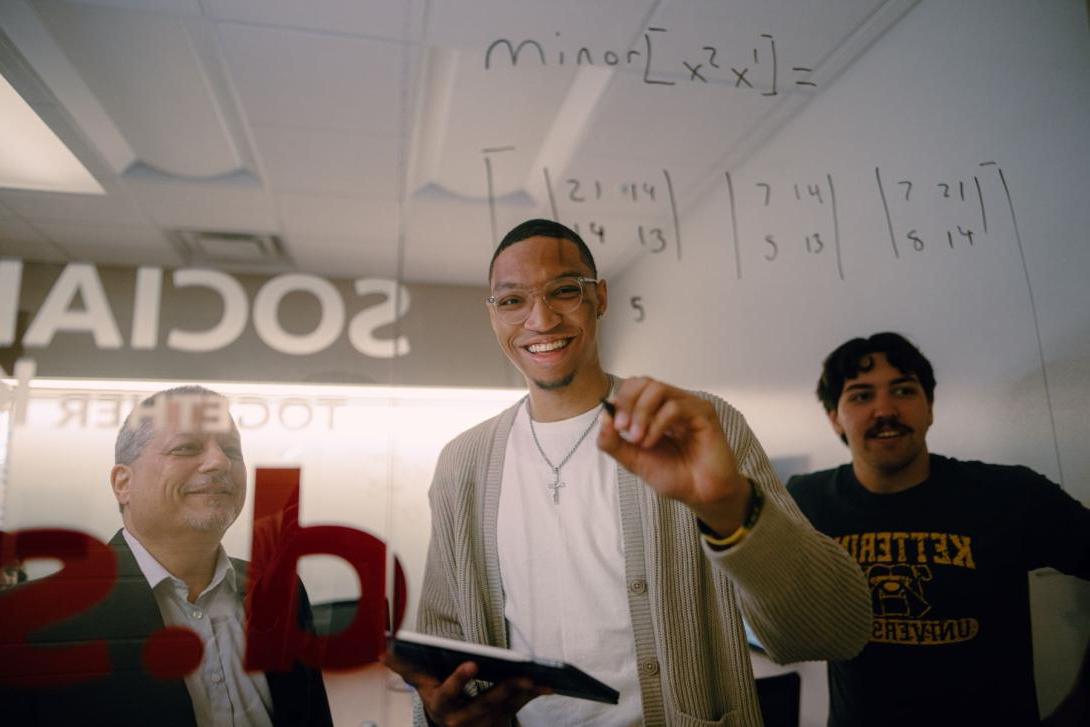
562, 567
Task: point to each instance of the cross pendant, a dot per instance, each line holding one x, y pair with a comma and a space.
555, 486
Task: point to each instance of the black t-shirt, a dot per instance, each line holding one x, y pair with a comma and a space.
947, 564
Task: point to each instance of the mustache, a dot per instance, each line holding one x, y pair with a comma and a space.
888, 423
210, 485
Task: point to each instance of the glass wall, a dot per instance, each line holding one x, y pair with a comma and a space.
295, 204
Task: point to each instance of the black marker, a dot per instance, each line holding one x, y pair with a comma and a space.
610, 407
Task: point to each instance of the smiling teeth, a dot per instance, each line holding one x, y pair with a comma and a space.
543, 347
887, 435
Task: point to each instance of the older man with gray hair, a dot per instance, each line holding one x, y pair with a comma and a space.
180, 481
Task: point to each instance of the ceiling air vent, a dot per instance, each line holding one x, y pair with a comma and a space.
237, 251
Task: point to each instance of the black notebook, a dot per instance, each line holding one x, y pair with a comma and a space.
439, 657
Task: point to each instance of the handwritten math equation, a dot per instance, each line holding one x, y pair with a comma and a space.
921, 214
757, 67
797, 218
652, 200
961, 200
788, 221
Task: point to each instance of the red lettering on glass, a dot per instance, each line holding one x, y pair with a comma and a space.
274, 636
88, 573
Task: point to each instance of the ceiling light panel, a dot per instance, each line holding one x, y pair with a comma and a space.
32, 156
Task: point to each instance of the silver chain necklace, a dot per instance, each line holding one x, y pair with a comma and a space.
556, 484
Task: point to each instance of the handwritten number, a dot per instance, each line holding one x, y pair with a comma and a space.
711, 56
654, 232
917, 243
774, 251
573, 195
908, 188
816, 246
768, 191
637, 303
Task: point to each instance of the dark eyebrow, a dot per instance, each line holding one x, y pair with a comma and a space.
907, 379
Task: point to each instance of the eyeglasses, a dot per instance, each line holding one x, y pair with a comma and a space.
562, 295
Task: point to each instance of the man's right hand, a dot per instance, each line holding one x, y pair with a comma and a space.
446, 702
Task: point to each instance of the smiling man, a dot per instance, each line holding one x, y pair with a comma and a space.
634, 559
945, 544
180, 481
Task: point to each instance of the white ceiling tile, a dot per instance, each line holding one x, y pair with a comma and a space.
310, 160
343, 257
374, 18
208, 206
20, 240
294, 78
122, 256
559, 25
176, 7
146, 71
28, 250
73, 237
321, 86
429, 268
113, 244
435, 228
521, 109
804, 31
90, 208
693, 125
333, 216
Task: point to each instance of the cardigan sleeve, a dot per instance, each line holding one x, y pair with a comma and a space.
436, 612
800, 592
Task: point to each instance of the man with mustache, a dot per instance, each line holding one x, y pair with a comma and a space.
946, 546
180, 482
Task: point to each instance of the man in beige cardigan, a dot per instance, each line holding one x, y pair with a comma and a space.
634, 560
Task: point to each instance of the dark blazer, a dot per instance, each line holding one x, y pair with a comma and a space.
129, 695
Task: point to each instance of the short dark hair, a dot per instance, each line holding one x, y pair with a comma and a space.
544, 228
853, 357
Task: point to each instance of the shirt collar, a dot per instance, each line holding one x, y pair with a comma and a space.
155, 573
